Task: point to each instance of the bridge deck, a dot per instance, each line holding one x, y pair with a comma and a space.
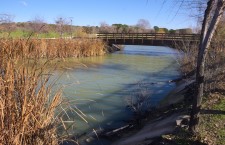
147, 38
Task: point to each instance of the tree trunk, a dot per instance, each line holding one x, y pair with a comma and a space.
213, 14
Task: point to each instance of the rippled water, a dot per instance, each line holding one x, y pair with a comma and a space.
100, 86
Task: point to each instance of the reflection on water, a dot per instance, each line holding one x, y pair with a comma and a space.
100, 85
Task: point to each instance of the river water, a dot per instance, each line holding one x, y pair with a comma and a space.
99, 88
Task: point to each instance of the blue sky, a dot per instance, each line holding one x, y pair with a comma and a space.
162, 13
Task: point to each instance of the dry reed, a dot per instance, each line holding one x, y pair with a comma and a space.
27, 111
55, 48
27, 106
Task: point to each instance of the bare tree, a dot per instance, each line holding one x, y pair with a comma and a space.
143, 24
105, 28
212, 16
6, 18
63, 25
7, 21
37, 25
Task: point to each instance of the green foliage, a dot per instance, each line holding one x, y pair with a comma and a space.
118, 27
220, 105
20, 33
121, 28
49, 35
165, 30
125, 28
156, 28
24, 34
211, 127
221, 136
171, 31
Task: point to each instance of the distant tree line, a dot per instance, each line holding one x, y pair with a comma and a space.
63, 27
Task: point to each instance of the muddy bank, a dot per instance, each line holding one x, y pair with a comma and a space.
153, 129
178, 94
113, 130
169, 114
154, 123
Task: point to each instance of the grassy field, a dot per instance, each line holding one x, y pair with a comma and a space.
25, 34
212, 123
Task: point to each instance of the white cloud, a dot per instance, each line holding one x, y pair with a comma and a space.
24, 3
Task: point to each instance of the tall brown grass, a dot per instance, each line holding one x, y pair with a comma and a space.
26, 108
27, 111
27, 105
55, 48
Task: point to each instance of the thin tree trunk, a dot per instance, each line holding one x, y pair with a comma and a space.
210, 22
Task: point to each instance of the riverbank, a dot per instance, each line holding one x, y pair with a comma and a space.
174, 132
145, 129
210, 130
159, 121
130, 75
162, 120
53, 53
28, 105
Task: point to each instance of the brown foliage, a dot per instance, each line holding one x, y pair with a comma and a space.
27, 106
53, 48
27, 112
215, 61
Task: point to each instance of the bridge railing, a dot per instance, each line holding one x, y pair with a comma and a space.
150, 36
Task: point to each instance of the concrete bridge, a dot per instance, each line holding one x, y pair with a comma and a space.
154, 39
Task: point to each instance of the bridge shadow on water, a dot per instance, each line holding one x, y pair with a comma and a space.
157, 91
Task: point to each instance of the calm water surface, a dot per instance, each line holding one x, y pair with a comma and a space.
100, 86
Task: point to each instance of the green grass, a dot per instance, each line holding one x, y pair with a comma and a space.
19, 33
221, 136
220, 105
212, 125
49, 35
15, 34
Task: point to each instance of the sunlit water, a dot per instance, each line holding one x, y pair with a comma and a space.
100, 86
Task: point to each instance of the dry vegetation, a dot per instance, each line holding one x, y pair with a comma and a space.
187, 57
212, 120
27, 112
215, 65
54, 48
138, 101
27, 105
